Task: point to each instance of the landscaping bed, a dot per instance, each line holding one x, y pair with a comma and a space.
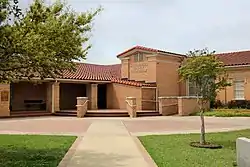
175, 150
227, 113
33, 150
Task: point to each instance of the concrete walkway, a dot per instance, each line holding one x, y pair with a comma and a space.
108, 144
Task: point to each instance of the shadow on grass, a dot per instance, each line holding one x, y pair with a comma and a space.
91, 158
23, 157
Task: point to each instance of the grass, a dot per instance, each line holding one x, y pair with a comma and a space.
175, 151
227, 113
33, 150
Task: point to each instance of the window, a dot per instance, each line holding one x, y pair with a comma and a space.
138, 57
192, 89
239, 90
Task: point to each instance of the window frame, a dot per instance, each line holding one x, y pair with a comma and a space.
237, 88
138, 57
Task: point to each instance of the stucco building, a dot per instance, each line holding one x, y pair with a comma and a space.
144, 73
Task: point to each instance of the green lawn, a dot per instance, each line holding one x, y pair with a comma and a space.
174, 150
227, 113
33, 150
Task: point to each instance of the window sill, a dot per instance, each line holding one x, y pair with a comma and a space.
240, 99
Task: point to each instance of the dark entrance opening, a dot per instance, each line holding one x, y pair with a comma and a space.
68, 94
102, 96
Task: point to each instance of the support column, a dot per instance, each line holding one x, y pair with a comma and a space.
131, 106
160, 105
94, 96
49, 97
5, 100
56, 94
82, 106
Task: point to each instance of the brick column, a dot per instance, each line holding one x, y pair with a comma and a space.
49, 97
4, 99
131, 106
56, 90
82, 106
160, 105
94, 97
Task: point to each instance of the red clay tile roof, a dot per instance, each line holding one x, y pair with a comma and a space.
95, 72
133, 83
235, 58
147, 49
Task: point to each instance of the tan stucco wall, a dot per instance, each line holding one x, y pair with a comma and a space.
167, 75
27, 91
117, 94
4, 105
187, 106
139, 71
227, 94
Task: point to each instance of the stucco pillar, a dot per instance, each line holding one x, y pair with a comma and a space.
160, 105
56, 94
82, 106
49, 97
5, 100
131, 106
94, 96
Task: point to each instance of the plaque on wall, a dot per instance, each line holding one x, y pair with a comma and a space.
5, 95
140, 68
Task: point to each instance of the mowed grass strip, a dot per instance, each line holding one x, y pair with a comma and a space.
175, 151
33, 150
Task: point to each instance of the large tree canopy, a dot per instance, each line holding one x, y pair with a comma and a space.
46, 40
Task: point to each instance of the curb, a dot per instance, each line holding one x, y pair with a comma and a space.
145, 154
68, 156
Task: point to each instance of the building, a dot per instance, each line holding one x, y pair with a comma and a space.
144, 73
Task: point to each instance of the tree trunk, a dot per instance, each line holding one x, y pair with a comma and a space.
202, 135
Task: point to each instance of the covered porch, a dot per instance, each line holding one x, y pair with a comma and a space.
54, 96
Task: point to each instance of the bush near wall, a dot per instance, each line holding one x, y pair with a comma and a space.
227, 113
233, 104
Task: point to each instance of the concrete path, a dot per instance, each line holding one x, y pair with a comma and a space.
107, 144
111, 142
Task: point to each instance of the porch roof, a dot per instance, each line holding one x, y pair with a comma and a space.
94, 72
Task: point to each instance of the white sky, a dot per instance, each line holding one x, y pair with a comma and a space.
171, 25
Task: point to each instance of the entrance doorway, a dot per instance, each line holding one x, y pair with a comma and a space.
102, 96
68, 94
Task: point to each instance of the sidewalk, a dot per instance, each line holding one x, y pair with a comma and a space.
108, 144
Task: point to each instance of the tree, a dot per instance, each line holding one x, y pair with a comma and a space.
208, 74
44, 42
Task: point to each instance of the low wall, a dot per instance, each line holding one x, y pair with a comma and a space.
168, 105
181, 105
187, 105
243, 152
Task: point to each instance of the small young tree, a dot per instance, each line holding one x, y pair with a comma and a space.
203, 69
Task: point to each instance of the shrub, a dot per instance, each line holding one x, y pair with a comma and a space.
239, 104
216, 104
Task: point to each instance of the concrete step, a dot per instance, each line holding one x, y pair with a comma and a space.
28, 114
106, 114
148, 114
65, 113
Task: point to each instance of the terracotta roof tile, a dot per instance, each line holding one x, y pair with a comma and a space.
147, 49
235, 58
95, 72
86, 71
